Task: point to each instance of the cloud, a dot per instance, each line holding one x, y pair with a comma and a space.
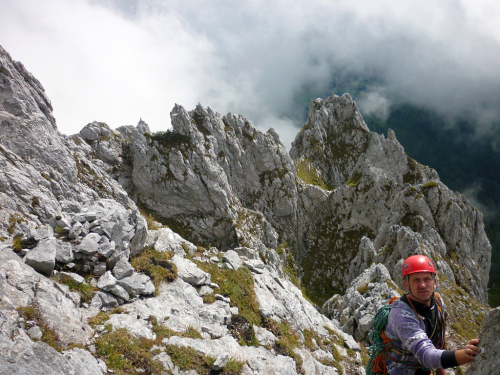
374, 102
471, 193
116, 61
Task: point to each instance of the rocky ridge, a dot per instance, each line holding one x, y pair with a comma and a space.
336, 215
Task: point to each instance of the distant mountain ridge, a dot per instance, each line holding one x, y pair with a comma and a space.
332, 220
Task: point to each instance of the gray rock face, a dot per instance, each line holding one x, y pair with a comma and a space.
356, 309
24, 287
488, 359
238, 172
25, 357
396, 202
83, 362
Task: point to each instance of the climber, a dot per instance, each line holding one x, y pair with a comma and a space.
416, 323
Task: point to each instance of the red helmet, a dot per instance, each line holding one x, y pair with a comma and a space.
418, 263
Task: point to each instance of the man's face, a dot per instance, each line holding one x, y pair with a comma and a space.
421, 285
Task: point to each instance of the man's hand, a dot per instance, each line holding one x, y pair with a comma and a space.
441, 371
468, 354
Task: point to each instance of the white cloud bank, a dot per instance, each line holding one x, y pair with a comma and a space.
119, 60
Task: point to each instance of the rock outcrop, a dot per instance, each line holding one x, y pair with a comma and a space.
488, 359
238, 230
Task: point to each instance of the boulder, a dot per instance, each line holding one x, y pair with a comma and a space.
264, 337
167, 240
137, 284
106, 281
44, 232
123, 269
43, 257
232, 258
89, 244
64, 252
220, 362
189, 272
120, 292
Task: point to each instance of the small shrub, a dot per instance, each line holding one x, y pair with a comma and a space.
14, 219
362, 289
17, 244
169, 139
242, 331
35, 202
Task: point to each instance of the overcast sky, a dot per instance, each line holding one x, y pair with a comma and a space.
121, 60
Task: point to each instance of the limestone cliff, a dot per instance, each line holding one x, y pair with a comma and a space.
238, 231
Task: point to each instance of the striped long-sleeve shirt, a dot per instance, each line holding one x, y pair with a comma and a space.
409, 333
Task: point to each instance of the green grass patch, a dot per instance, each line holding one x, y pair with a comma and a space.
123, 353
354, 181
156, 265
209, 298
99, 319
86, 291
31, 313
239, 287
429, 184
186, 358
118, 310
162, 331
288, 339
310, 175
150, 219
